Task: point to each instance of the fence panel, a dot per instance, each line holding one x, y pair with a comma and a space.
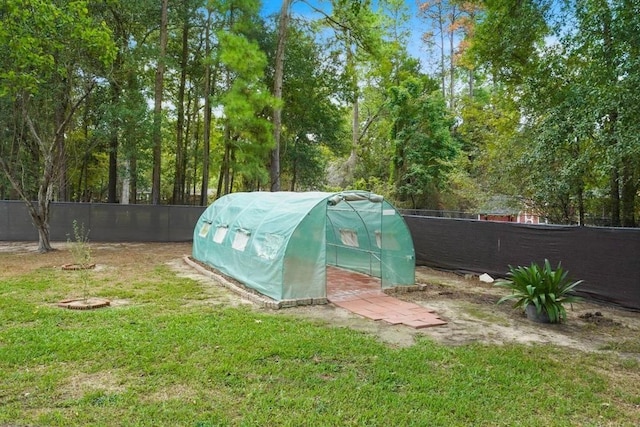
605, 258
104, 222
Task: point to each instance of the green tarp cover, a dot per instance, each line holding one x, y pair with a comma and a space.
280, 243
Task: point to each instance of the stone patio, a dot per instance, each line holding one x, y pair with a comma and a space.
362, 295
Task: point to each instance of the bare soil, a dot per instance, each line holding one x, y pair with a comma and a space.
467, 304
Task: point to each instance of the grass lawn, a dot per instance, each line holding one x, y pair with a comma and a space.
170, 356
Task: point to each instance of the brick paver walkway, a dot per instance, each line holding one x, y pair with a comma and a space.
363, 295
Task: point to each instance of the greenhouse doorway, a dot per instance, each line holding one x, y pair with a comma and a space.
365, 234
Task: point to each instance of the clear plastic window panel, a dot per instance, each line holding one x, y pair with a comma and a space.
204, 230
240, 240
349, 237
220, 234
269, 246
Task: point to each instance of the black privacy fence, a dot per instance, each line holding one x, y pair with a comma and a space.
104, 222
607, 259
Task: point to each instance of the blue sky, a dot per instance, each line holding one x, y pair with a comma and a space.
301, 8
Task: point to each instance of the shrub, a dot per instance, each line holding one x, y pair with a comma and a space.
547, 289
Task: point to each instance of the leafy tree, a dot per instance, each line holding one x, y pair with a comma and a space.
507, 39
357, 42
446, 18
121, 120
314, 127
244, 98
283, 24
424, 149
157, 110
607, 34
46, 50
573, 86
187, 14
489, 141
390, 67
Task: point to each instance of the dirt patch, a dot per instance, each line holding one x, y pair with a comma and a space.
124, 260
81, 384
467, 304
470, 308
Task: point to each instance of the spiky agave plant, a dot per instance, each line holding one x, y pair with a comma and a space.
547, 289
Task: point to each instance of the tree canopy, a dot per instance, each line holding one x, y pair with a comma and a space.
532, 102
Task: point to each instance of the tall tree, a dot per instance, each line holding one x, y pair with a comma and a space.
283, 24
204, 187
125, 108
179, 175
508, 37
157, 111
583, 78
390, 68
41, 45
356, 41
244, 98
313, 125
607, 33
424, 149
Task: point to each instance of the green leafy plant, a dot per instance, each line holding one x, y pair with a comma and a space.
547, 289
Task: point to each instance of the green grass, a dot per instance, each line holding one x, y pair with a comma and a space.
624, 346
165, 360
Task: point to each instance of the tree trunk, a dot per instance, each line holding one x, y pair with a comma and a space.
614, 196
196, 138
157, 111
441, 29
452, 68
204, 188
226, 163
581, 206
179, 174
185, 148
221, 174
44, 239
355, 120
277, 93
294, 167
610, 127
629, 189
59, 119
112, 186
133, 183
40, 211
126, 184
84, 167
230, 172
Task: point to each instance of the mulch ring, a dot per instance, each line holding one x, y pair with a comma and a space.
84, 303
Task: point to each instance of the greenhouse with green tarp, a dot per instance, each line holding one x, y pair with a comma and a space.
280, 243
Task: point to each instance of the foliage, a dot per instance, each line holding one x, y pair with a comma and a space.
544, 287
530, 107
572, 84
314, 126
507, 38
490, 142
51, 58
423, 147
248, 135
